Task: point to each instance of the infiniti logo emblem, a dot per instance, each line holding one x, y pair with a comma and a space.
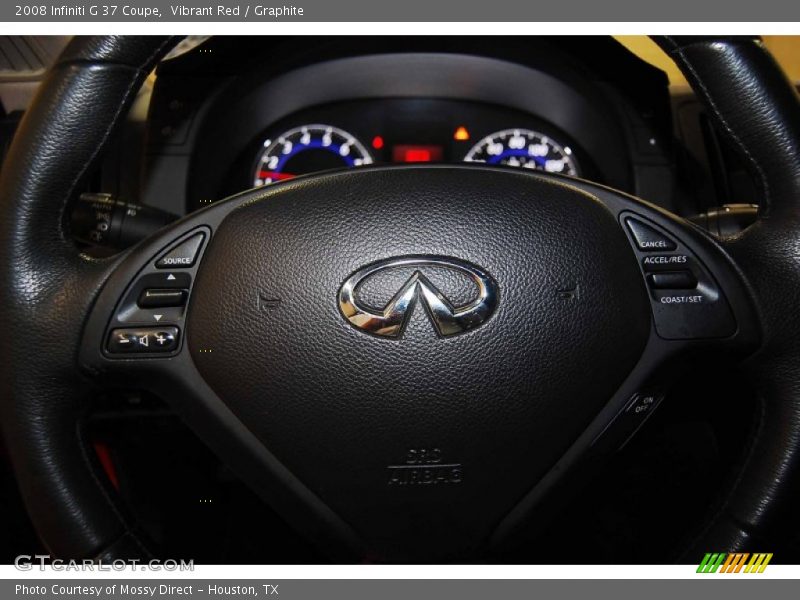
447, 319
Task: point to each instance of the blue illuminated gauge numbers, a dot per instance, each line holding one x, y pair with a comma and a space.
308, 149
526, 149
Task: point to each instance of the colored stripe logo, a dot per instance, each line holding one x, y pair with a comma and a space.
738, 562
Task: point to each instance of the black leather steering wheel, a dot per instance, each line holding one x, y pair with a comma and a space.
405, 362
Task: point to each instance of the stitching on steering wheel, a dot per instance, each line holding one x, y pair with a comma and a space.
133, 85
678, 51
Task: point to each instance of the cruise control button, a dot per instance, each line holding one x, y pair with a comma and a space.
143, 340
160, 298
664, 261
647, 238
673, 280
183, 255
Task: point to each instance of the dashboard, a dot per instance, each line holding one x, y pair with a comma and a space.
222, 119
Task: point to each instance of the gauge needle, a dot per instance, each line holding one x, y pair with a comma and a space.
275, 175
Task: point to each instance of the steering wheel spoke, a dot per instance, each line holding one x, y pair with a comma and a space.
699, 304
136, 337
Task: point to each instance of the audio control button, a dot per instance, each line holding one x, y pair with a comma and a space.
162, 297
143, 340
183, 255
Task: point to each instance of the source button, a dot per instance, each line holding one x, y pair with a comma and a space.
183, 255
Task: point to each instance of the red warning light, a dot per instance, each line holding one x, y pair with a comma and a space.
461, 134
417, 155
377, 142
408, 154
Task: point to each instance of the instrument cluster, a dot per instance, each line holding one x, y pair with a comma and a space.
224, 121
359, 133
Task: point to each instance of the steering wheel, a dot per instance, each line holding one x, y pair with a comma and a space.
405, 362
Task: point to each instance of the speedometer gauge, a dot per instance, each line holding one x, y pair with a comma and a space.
308, 149
524, 148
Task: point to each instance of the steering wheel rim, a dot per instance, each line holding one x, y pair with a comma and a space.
52, 291
761, 121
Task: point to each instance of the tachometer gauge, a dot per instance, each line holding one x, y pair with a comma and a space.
307, 149
524, 148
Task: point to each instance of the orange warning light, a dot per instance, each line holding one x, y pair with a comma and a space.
461, 134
